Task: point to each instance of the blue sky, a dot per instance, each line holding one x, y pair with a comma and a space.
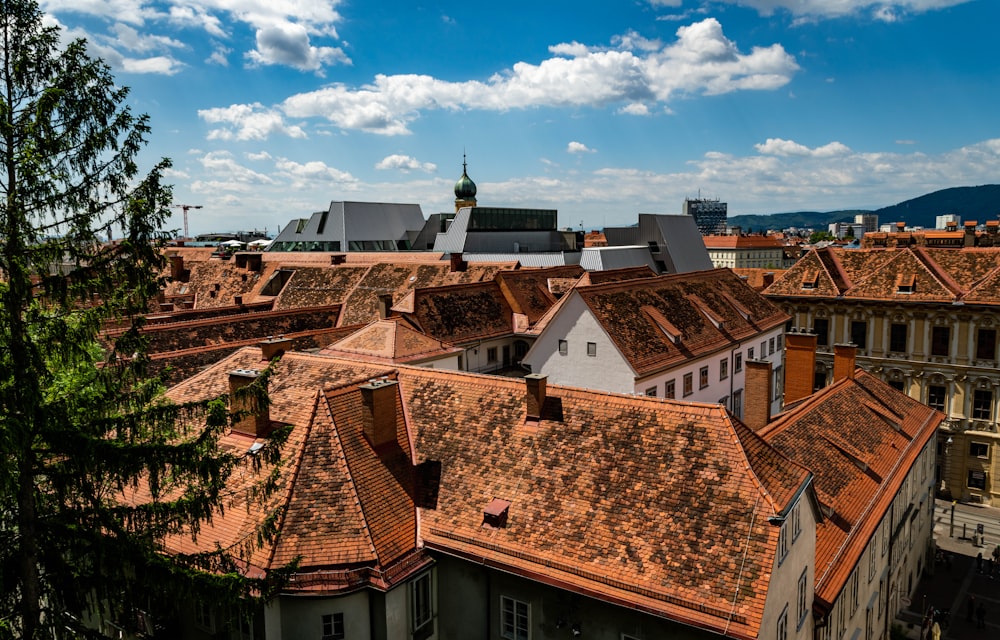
270, 109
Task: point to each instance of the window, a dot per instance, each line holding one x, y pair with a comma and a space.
670, 390
651, 392
977, 479
800, 607
979, 450
871, 563
779, 383
936, 397
986, 344
688, 384
421, 610
333, 626
869, 624
897, 338
204, 616
796, 523
491, 355
514, 619
703, 378
982, 404
783, 625
723, 369
782, 543
859, 333
940, 341
738, 363
763, 349
563, 347
770, 346
821, 327
781, 342
854, 590
750, 353
738, 403
591, 349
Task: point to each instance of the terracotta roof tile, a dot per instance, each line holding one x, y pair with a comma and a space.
390, 341
860, 456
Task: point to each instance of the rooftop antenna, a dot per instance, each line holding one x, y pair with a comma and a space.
185, 207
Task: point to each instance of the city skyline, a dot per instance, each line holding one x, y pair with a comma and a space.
270, 110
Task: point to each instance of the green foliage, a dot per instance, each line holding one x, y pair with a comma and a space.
97, 469
819, 236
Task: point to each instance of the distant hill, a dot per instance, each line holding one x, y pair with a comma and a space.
980, 203
802, 219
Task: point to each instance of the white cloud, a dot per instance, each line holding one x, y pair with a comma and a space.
779, 147
288, 44
247, 122
701, 61
886, 10
405, 164
578, 147
301, 175
287, 31
219, 56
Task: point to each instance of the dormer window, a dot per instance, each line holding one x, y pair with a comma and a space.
906, 283
495, 514
810, 280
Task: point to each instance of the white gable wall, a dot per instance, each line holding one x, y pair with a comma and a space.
574, 323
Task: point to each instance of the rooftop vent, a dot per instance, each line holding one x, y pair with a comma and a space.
495, 514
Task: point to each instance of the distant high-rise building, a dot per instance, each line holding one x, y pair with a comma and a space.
942, 222
709, 215
868, 220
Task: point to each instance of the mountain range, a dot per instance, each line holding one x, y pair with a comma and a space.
979, 203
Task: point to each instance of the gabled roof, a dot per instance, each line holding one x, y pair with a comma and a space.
638, 501
460, 313
742, 242
699, 305
527, 290
901, 274
860, 437
390, 341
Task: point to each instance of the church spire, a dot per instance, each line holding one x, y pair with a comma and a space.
465, 189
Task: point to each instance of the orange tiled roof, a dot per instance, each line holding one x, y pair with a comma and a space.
527, 290
926, 274
461, 313
742, 242
860, 437
390, 341
634, 500
699, 304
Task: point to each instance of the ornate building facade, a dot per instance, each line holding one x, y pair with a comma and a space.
924, 320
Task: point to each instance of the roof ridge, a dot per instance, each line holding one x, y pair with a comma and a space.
936, 271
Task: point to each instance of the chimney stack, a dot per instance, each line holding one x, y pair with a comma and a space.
800, 365
271, 347
457, 263
379, 400
257, 422
844, 361
384, 305
970, 233
177, 271
535, 383
757, 394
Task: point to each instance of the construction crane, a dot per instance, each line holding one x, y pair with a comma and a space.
185, 207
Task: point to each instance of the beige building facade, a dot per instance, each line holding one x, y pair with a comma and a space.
924, 320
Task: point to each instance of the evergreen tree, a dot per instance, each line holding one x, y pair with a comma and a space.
83, 433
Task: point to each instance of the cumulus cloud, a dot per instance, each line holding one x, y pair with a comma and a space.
885, 10
779, 147
288, 44
701, 61
247, 122
289, 32
578, 147
405, 164
302, 175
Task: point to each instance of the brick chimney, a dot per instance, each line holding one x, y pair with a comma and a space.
272, 347
177, 270
457, 263
757, 394
844, 361
970, 233
384, 305
257, 421
379, 399
535, 396
800, 365
900, 227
